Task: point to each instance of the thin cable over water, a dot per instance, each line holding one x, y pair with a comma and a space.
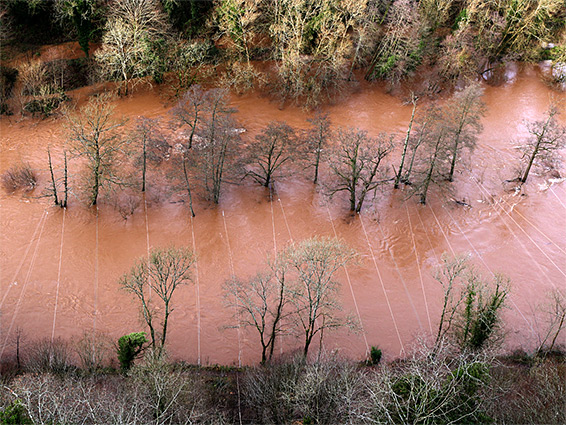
22, 292
351, 287
197, 288
240, 354
382, 286
488, 268
418, 267
58, 276
29, 245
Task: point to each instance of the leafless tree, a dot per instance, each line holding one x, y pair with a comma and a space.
399, 174
547, 136
430, 152
464, 112
127, 40
314, 301
215, 149
190, 109
145, 136
92, 130
53, 188
355, 162
556, 316
161, 275
450, 275
317, 139
274, 147
260, 302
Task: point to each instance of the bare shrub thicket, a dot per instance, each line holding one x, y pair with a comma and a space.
19, 177
153, 394
48, 356
327, 392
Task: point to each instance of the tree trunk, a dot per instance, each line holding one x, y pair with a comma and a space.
144, 165
65, 184
316, 164
531, 161
405, 145
52, 178
188, 187
96, 183
430, 171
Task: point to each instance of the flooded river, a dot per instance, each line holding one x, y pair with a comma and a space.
59, 270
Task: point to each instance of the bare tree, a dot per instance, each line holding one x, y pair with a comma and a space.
556, 313
260, 303
165, 271
52, 189
132, 27
317, 139
406, 142
431, 150
355, 162
214, 150
190, 110
146, 135
547, 136
314, 302
93, 132
449, 275
275, 146
464, 112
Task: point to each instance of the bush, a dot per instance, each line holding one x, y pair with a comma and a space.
374, 356
129, 347
47, 356
19, 177
14, 414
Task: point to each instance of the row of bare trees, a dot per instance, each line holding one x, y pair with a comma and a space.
211, 152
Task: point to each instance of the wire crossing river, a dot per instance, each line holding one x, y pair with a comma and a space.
60, 268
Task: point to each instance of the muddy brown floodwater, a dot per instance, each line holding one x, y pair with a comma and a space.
60, 269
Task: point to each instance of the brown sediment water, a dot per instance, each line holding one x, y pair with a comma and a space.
59, 270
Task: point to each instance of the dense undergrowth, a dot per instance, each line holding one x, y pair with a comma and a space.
425, 386
312, 48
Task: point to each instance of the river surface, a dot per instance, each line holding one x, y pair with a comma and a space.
59, 270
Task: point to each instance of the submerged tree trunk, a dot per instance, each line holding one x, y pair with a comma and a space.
188, 186
65, 183
406, 143
56, 200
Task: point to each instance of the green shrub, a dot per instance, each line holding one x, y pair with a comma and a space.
129, 347
374, 356
15, 414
